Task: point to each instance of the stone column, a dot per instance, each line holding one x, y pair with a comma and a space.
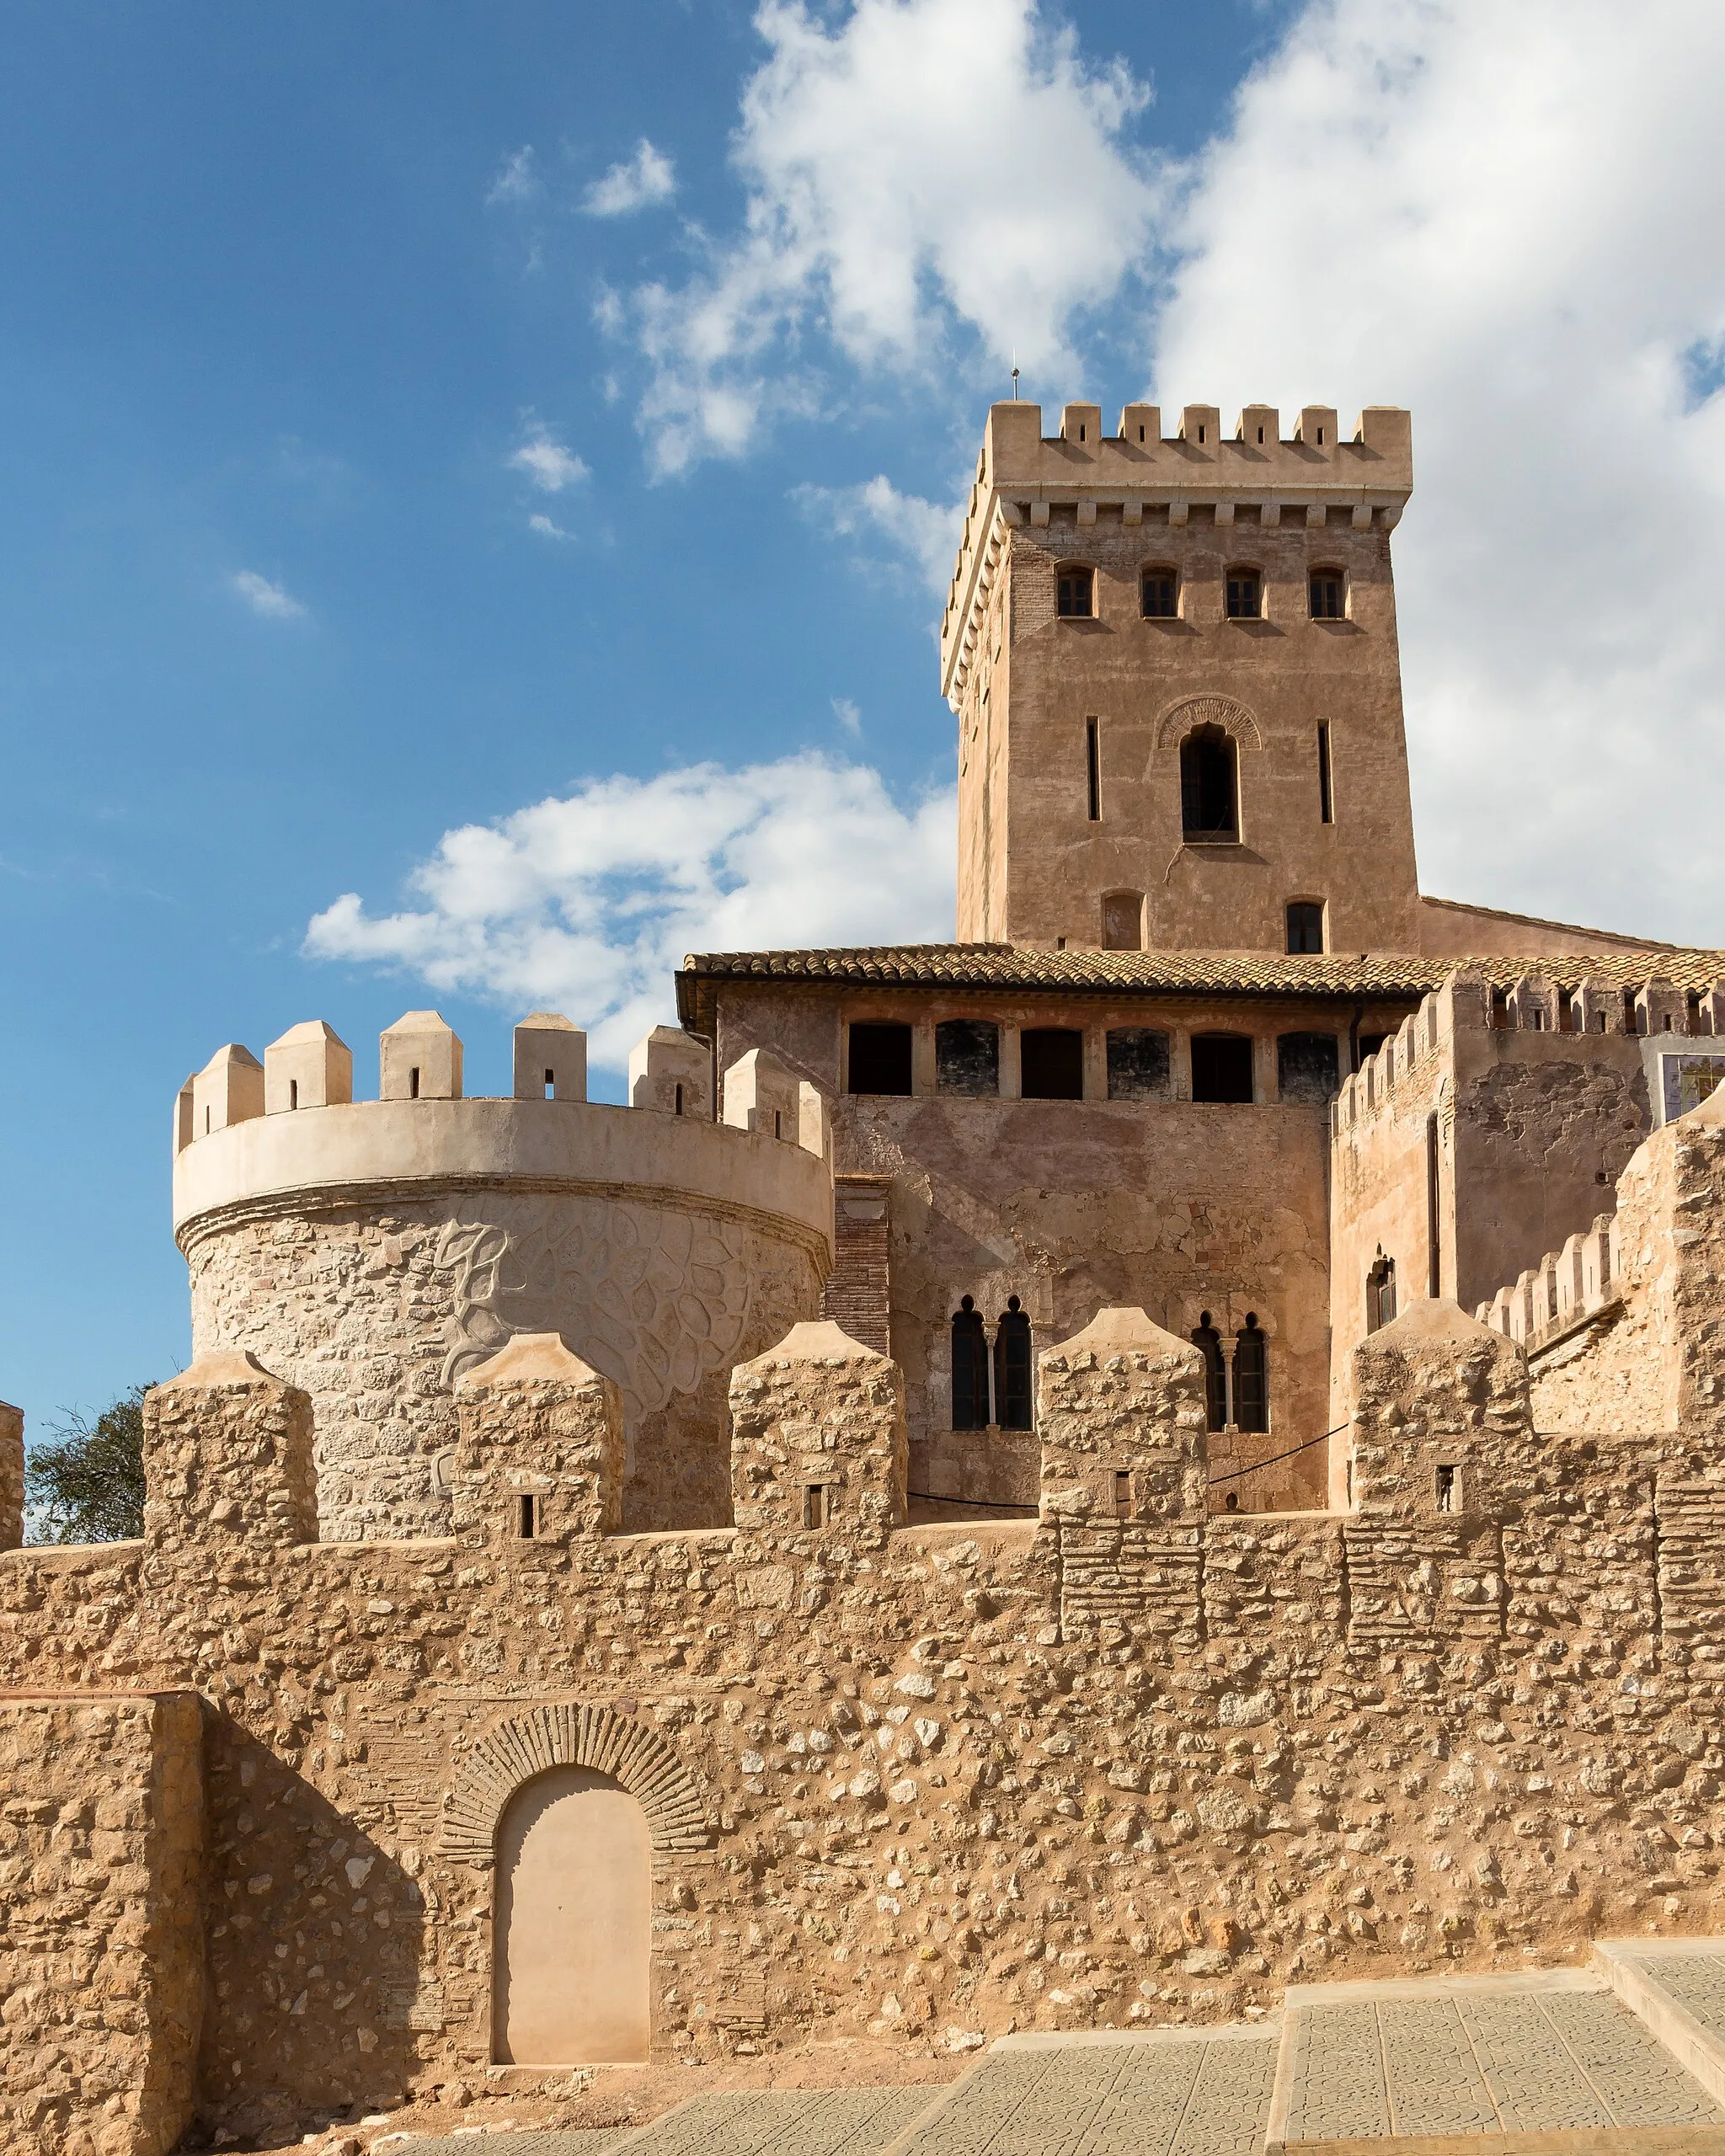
227, 1458
1124, 1459
541, 1454
11, 1476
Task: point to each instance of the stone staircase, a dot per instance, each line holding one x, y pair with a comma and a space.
1625, 2058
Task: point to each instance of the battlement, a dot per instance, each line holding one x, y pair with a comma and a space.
1137, 475
1532, 1004
1551, 1299
247, 1133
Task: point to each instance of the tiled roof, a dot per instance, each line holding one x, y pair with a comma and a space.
1000, 967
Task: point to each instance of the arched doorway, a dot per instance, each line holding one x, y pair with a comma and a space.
572, 1934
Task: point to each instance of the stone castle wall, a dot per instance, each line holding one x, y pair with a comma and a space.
377, 1309
101, 1932
1126, 1761
1470, 1143
371, 1252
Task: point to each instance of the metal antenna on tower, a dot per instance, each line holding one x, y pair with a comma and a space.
1015, 377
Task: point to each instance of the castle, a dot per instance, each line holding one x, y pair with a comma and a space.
1057, 1481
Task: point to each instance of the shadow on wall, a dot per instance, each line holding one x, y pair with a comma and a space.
314, 1943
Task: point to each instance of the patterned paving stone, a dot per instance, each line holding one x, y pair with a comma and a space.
784, 2123
1435, 2085
1338, 2091
1230, 2101
1129, 2099
1527, 2067
1697, 1983
1483, 2061
581, 2141
1634, 2074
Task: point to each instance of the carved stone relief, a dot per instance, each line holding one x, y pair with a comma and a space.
653, 1298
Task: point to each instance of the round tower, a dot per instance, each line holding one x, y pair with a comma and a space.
371, 1251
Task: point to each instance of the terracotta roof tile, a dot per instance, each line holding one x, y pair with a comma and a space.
1178, 972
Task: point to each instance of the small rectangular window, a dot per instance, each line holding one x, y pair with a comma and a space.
1308, 1069
815, 1506
530, 1518
1123, 1493
1327, 596
1092, 767
1074, 592
1446, 1490
1221, 1067
1245, 596
880, 1060
1306, 928
1161, 595
1326, 799
413, 1083
293, 1093
1123, 920
1051, 1063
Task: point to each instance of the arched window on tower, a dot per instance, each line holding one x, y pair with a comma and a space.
969, 1368
1252, 1378
1011, 1367
1209, 1342
1209, 793
1379, 1292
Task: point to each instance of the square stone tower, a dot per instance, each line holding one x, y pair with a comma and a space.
1179, 696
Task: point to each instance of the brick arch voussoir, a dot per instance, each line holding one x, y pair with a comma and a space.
1179, 719
573, 1735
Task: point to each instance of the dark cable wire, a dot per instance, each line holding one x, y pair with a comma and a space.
1274, 1457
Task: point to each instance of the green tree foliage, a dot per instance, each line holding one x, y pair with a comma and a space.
86, 1484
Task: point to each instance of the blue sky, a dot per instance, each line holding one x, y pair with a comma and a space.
431, 520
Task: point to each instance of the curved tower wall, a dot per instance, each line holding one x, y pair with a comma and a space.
372, 1252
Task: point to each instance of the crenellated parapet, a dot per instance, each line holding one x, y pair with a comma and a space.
1618, 1323
1472, 1151
1136, 471
374, 1252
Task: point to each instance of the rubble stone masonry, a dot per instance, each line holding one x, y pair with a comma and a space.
1125, 1762
101, 1935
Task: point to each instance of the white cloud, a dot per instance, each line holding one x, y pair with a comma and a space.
544, 526
588, 903
272, 601
925, 533
647, 177
518, 180
1513, 220
849, 718
547, 463
927, 177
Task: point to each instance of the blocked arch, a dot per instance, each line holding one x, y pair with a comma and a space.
1182, 718
573, 1735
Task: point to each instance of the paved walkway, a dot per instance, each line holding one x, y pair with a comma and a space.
1626, 2058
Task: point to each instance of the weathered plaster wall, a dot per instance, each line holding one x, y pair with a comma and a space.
1448, 930
1175, 1206
1532, 1126
1650, 1360
101, 1945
